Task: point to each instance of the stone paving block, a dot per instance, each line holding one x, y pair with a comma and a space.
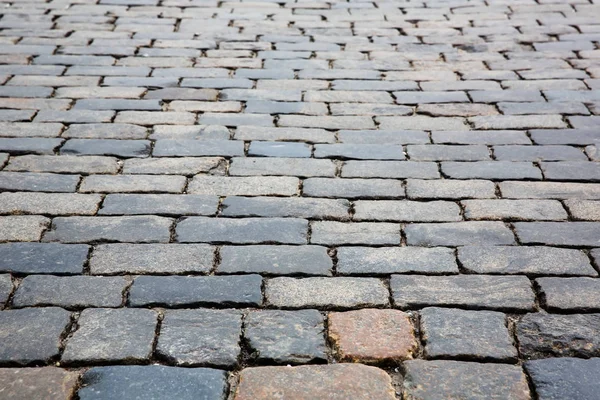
177, 291
107, 147
171, 166
197, 132
18, 228
423, 123
42, 258
275, 260
278, 149
132, 184
29, 145
70, 292
152, 381
29, 129
48, 203
390, 169
390, 137
564, 136
406, 211
529, 260
387, 260
200, 337
453, 379
163, 204
499, 170
286, 336
571, 171
563, 378
471, 335
520, 210
459, 234
197, 148
449, 189
98, 338
468, 291
352, 188
105, 131
366, 233
69, 165
326, 293
584, 210
372, 336
142, 229
244, 186
246, 230
549, 190
495, 137
284, 134
285, 207
32, 334
38, 383
335, 382
544, 335
559, 233
327, 122
538, 153
108, 259
282, 166
447, 153
568, 294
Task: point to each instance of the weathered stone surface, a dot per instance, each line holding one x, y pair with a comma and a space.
38, 182
372, 335
559, 233
530, 260
406, 211
563, 294
335, 382
200, 337
352, 188
520, 210
38, 383
563, 378
449, 189
453, 333
163, 204
152, 381
326, 293
584, 210
286, 336
101, 332
244, 186
386, 260
468, 380
367, 233
173, 291
49, 203
70, 292
22, 228
31, 334
544, 335
118, 258
275, 260
469, 291
458, 234
285, 207
43, 258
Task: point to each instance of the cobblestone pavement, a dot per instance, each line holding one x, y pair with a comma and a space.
317, 199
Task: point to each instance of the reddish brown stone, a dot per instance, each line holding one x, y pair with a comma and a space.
372, 335
48, 383
332, 382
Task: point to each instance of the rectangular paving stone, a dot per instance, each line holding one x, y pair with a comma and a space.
565, 136
64, 164
244, 186
406, 211
569, 294
48, 203
275, 260
281, 166
32, 334
38, 182
423, 123
200, 337
279, 149
143, 229
70, 292
520, 210
367, 233
38, 382
543, 335
105, 131
99, 334
508, 293
285, 207
284, 134
517, 122
390, 169
286, 336
327, 122
162, 204
132, 184
549, 190
382, 137
29, 145
29, 129
496, 137
491, 170
538, 153
171, 166
449, 189
571, 171
326, 293
22, 228
474, 335
192, 291
197, 148
352, 188
447, 379
529, 260
43, 258
584, 210
246, 230
585, 234
359, 151
556, 378
388, 260
152, 380
117, 258
447, 153
459, 234
107, 147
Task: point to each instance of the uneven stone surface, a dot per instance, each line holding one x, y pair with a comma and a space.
561, 378
372, 335
165, 163
38, 383
334, 382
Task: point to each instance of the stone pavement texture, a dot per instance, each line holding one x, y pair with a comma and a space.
299, 199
